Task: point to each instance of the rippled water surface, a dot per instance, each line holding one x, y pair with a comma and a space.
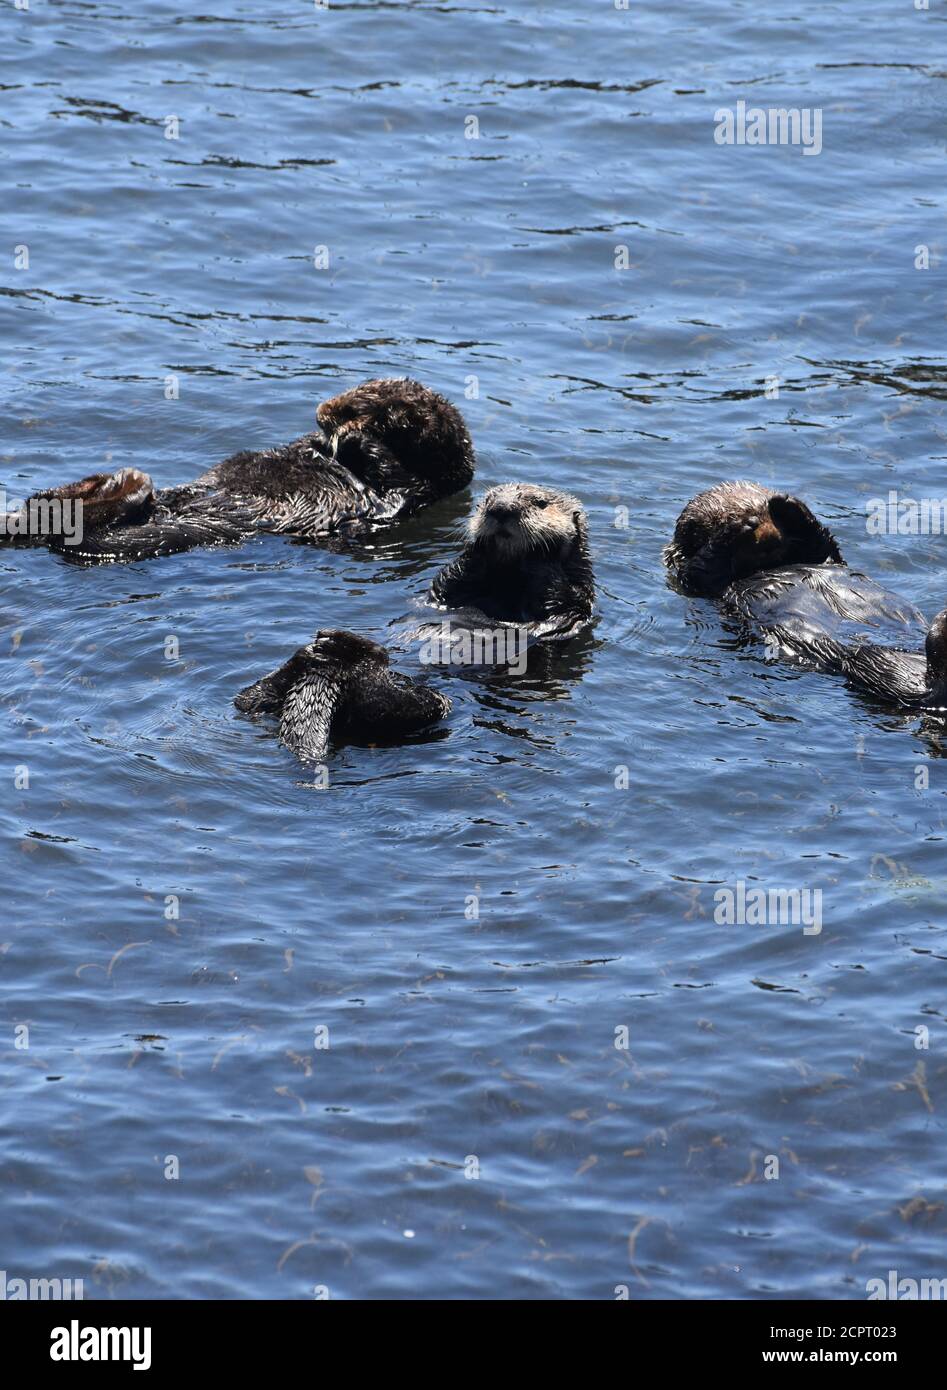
466, 1039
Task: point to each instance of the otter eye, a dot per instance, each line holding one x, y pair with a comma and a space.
540, 501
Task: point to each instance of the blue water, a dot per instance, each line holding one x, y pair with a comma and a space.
470, 916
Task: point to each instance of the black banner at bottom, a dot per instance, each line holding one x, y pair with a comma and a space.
260, 1337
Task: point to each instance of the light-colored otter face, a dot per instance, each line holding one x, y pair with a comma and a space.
517, 517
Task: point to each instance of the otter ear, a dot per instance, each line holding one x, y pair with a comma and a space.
814, 543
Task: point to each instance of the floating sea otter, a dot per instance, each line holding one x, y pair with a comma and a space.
526, 563
385, 449
338, 688
737, 529
768, 559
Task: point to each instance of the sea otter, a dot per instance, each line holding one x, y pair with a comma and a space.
737, 529
768, 559
526, 563
338, 688
383, 450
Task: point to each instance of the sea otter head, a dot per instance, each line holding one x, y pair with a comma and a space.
515, 519
737, 529
336, 647
397, 435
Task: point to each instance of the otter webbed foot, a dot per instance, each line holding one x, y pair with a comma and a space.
63, 517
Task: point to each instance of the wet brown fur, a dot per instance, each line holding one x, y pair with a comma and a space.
740, 528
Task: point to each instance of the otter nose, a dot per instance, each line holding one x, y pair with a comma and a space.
766, 534
499, 511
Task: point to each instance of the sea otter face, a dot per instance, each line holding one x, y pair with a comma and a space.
396, 433
738, 529
515, 518
339, 417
